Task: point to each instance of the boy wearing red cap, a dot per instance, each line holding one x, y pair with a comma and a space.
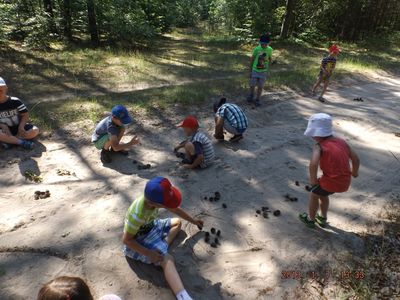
147, 238
199, 151
328, 64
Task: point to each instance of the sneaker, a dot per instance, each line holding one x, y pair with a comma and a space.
250, 98
236, 138
257, 102
27, 145
321, 99
304, 218
321, 221
105, 156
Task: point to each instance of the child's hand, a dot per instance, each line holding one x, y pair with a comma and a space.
199, 223
187, 166
134, 141
155, 257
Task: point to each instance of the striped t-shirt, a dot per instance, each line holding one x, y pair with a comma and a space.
10, 111
208, 149
138, 215
328, 63
234, 115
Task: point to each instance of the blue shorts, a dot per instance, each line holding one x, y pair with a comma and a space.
153, 240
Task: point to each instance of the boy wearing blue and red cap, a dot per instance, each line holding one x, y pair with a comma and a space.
147, 238
259, 65
327, 66
199, 151
109, 132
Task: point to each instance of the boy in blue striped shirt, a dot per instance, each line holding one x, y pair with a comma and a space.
230, 117
199, 151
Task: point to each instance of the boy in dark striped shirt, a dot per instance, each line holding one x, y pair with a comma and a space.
15, 128
328, 64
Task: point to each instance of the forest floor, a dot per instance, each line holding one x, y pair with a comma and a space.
77, 230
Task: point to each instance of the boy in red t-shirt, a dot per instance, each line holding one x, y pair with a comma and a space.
332, 155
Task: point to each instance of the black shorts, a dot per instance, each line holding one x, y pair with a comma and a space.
318, 190
14, 129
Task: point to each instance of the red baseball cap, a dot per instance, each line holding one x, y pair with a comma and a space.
334, 48
189, 122
160, 190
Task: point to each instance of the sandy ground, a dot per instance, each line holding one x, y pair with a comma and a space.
77, 231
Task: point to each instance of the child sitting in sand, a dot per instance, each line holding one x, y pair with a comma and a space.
332, 155
68, 288
147, 238
232, 118
199, 151
328, 64
109, 132
15, 128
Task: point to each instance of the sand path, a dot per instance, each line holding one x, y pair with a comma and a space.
77, 230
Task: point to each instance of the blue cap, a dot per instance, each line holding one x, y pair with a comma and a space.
122, 114
264, 39
160, 190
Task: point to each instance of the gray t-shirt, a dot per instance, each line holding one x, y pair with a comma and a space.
105, 126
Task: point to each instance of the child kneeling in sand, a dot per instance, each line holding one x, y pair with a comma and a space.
230, 117
332, 155
199, 151
109, 132
147, 238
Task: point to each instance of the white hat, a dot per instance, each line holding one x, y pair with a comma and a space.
319, 125
2, 82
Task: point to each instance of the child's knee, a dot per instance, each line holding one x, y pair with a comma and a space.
189, 147
176, 222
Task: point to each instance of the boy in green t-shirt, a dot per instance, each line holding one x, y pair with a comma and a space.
147, 237
259, 63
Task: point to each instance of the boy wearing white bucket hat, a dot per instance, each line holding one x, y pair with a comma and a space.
332, 155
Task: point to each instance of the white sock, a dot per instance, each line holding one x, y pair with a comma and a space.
183, 295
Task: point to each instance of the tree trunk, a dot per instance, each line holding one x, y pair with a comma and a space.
288, 18
94, 33
67, 21
48, 8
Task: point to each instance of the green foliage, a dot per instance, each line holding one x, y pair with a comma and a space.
131, 22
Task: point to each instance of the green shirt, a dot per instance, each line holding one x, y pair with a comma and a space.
261, 58
138, 215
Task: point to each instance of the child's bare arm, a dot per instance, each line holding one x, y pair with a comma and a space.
252, 58
184, 215
355, 163
180, 146
314, 163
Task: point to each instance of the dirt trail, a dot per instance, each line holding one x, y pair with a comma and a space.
77, 230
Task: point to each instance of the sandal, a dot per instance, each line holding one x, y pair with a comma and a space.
304, 218
321, 221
